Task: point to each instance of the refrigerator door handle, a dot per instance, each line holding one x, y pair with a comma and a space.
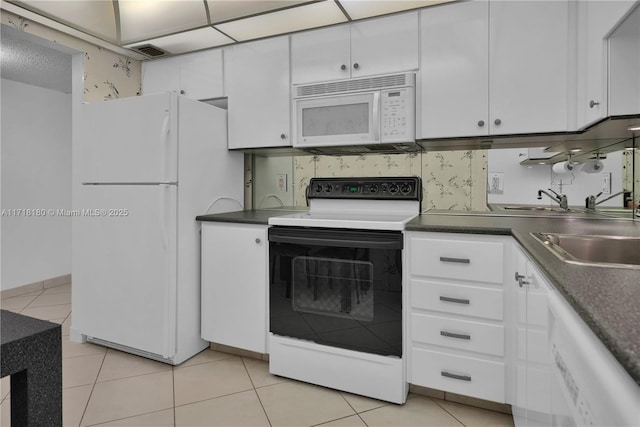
164, 141
169, 297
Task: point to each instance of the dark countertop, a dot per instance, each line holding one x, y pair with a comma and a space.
258, 216
607, 299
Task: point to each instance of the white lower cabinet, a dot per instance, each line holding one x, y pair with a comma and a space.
234, 285
456, 319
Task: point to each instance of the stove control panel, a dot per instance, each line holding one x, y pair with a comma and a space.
375, 188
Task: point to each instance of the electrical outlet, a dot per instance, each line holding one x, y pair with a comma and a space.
606, 183
496, 182
281, 181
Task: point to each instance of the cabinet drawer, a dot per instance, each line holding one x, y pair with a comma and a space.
457, 299
457, 259
458, 334
469, 376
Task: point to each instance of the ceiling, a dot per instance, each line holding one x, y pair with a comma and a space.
180, 26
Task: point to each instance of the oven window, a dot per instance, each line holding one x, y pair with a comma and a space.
343, 293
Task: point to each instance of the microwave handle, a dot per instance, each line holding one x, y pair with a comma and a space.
376, 116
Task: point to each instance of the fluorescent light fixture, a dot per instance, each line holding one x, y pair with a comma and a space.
576, 150
358, 9
284, 21
188, 41
634, 127
226, 10
145, 19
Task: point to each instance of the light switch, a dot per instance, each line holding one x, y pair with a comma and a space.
606, 183
281, 181
496, 182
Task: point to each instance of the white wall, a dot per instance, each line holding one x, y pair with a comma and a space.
521, 183
36, 174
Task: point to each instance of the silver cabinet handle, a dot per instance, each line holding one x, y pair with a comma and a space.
283, 136
454, 335
258, 241
343, 67
456, 260
456, 300
182, 92
455, 376
520, 280
481, 123
497, 122
593, 103
356, 65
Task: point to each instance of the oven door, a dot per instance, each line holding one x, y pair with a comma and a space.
337, 287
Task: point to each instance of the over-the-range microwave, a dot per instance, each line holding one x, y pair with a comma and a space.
364, 111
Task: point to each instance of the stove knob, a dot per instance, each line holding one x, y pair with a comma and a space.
405, 188
393, 188
373, 189
318, 188
328, 188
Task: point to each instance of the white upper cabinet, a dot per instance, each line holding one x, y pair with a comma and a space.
258, 86
624, 66
454, 70
365, 48
196, 75
492, 68
596, 19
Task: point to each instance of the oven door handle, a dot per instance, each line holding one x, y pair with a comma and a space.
336, 240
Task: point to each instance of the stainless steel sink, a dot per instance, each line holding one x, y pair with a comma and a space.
605, 251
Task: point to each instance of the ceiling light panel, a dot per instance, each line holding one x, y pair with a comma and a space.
145, 19
359, 9
226, 10
311, 15
188, 41
95, 17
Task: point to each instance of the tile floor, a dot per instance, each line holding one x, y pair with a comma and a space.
109, 388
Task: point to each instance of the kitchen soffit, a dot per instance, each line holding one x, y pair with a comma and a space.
181, 26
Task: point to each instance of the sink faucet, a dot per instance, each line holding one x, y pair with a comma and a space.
561, 199
591, 200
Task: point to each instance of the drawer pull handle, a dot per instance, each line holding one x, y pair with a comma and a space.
455, 376
454, 335
456, 260
456, 300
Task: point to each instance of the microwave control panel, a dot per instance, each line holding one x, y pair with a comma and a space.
397, 117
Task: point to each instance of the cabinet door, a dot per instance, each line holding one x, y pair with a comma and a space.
234, 285
321, 55
201, 74
454, 69
161, 75
596, 19
528, 66
384, 45
258, 86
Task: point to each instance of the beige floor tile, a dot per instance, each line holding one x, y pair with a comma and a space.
45, 300
62, 289
74, 402
26, 290
5, 387
206, 356
352, 421
361, 403
48, 312
296, 404
66, 325
75, 349
476, 417
82, 370
122, 365
259, 373
16, 304
209, 380
163, 418
419, 411
5, 412
129, 397
241, 409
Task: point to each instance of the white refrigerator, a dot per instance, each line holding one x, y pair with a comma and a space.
147, 166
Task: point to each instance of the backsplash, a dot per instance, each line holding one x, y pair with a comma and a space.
107, 75
628, 179
452, 180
